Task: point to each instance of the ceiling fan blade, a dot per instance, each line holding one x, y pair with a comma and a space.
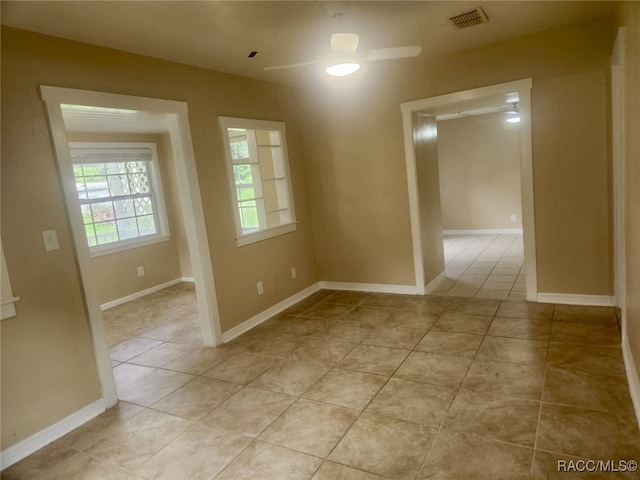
393, 53
291, 65
344, 42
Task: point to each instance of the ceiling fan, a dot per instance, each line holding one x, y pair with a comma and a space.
344, 59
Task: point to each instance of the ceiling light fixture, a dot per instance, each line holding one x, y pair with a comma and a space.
342, 69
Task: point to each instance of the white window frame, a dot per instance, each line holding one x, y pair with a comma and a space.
246, 238
157, 197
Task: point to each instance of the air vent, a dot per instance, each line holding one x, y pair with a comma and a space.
470, 18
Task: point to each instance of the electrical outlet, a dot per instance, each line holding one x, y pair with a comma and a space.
293, 272
514, 218
140, 271
50, 239
260, 288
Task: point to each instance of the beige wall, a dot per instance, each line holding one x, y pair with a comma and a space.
425, 139
356, 161
630, 17
116, 274
479, 160
48, 368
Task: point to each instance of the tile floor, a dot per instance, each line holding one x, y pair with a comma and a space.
486, 266
356, 386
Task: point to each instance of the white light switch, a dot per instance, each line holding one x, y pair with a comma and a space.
50, 238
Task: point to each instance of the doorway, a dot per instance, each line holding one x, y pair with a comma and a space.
427, 230
175, 116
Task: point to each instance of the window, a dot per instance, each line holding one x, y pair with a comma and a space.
256, 154
120, 195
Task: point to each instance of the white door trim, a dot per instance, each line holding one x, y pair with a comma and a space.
523, 87
189, 192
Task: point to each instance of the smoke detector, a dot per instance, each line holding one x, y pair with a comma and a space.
470, 18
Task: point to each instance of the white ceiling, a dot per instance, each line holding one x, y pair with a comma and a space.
219, 35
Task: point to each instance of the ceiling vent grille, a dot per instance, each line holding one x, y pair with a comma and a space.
470, 18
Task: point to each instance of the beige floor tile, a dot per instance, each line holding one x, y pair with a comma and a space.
291, 377
386, 300
327, 422
477, 306
444, 370
517, 294
170, 330
492, 293
463, 323
114, 339
395, 337
367, 316
515, 350
192, 337
242, 367
263, 461
85, 467
384, 446
139, 439
132, 348
587, 433
326, 351
92, 431
346, 388
605, 393
335, 471
373, 359
496, 417
503, 378
199, 360
302, 326
450, 343
586, 358
411, 319
576, 313
161, 355
348, 298
520, 328
461, 291
331, 311
37, 464
249, 411
415, 402
472, 279
586, 333
456, 455
197, 397
146, 385
200, 453
528, 310
277, 345
347, 331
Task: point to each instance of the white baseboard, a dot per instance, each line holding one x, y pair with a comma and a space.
371, 287
140, 294
632, 376
574, 299
485, 231
433, 284
188, 279
268, 313
35, 442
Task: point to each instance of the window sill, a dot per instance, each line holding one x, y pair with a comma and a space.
265, 234
127, 245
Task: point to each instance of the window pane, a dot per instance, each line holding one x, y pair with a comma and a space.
102, 211
97, 187
91, 235
276, 195
271, 162
127, 228
246, 194
115, 168
242, 174
136, 167
143, 206
124, 208
106, 232
249, 217
86, 214
82, 191
77, 171
93, 169
118, 185
147, 225
139, 183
